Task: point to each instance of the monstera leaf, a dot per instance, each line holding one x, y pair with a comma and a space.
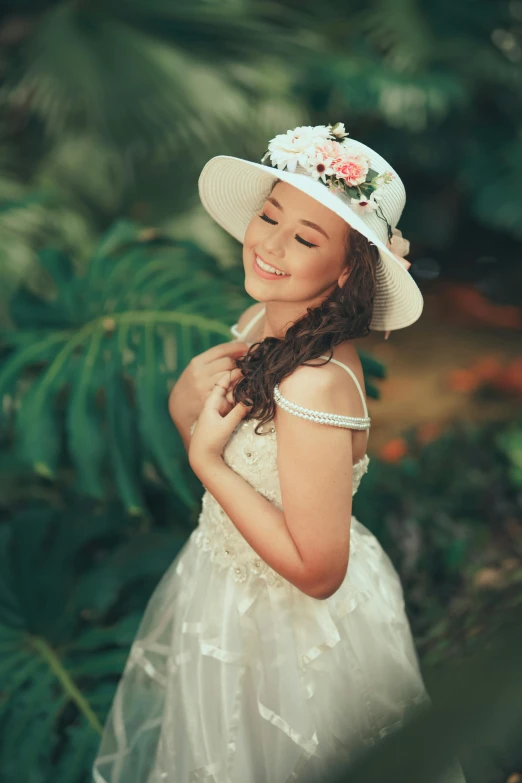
87, 374
73, 586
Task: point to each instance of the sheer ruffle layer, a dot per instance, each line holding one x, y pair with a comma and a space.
251, 683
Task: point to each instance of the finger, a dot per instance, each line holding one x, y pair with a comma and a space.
220, 365
220, 387
232, 373
231, 379
217, 397
235, 374
225, 378
235, 377
222, 352
237, 413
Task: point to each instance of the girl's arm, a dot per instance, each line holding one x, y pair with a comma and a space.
260, 522
307, 543
182, 422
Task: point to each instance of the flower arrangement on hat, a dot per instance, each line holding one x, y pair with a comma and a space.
327, 155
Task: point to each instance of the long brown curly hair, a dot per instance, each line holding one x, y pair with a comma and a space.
343, 315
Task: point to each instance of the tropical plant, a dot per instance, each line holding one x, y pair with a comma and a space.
88, 372
446, 513
135, 87
435, 87
74, 581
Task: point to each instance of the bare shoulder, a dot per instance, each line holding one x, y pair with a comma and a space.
248, 314
327, 387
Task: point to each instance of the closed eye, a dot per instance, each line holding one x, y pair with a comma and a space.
274, 223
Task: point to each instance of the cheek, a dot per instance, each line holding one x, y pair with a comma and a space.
253, 232
308, 268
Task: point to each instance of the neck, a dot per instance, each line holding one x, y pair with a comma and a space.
279, 316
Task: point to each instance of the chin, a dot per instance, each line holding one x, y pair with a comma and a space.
251, 289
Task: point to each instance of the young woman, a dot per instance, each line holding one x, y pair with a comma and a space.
277, 643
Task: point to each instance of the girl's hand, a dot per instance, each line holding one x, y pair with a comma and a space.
217, 420
197, 380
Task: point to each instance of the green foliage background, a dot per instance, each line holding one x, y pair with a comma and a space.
108, 112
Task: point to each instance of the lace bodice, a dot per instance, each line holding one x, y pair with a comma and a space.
254, 458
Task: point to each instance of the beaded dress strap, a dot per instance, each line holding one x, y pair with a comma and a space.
354, 377
336, 419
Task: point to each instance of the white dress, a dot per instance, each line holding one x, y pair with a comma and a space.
236, 676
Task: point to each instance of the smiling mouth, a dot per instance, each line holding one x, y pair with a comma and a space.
257, 256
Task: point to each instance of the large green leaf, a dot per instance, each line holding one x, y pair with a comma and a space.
86, 438
89, 373
124, 443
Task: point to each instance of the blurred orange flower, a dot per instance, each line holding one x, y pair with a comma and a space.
463, 299
510, 378
487, 368
463, 380
394, 450
428, 431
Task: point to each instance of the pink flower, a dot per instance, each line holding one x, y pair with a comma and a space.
329, 151
353, 168
321, 162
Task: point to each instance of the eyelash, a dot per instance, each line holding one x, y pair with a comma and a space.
299, 239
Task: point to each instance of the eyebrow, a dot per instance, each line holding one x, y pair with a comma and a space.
276, 203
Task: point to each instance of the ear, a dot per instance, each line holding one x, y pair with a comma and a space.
343, 277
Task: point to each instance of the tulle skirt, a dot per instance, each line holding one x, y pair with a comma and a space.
247, 682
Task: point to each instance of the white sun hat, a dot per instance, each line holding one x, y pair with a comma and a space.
345, 176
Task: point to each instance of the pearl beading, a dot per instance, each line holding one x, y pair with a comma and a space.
335, 419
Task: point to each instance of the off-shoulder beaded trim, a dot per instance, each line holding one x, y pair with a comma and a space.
337, 420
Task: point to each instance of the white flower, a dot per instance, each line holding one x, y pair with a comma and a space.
378, 193
338, 130
365, 203
319, 165
296, 146
384, 179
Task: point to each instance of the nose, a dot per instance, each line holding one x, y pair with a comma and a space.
273, 246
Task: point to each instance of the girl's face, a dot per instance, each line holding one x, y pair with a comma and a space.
295, 234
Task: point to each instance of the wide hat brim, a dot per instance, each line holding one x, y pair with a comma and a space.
232, 190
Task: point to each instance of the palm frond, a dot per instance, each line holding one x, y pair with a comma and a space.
142, 73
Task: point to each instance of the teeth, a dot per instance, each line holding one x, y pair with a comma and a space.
268, 268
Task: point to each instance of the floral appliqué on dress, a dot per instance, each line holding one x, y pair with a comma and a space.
254, 458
